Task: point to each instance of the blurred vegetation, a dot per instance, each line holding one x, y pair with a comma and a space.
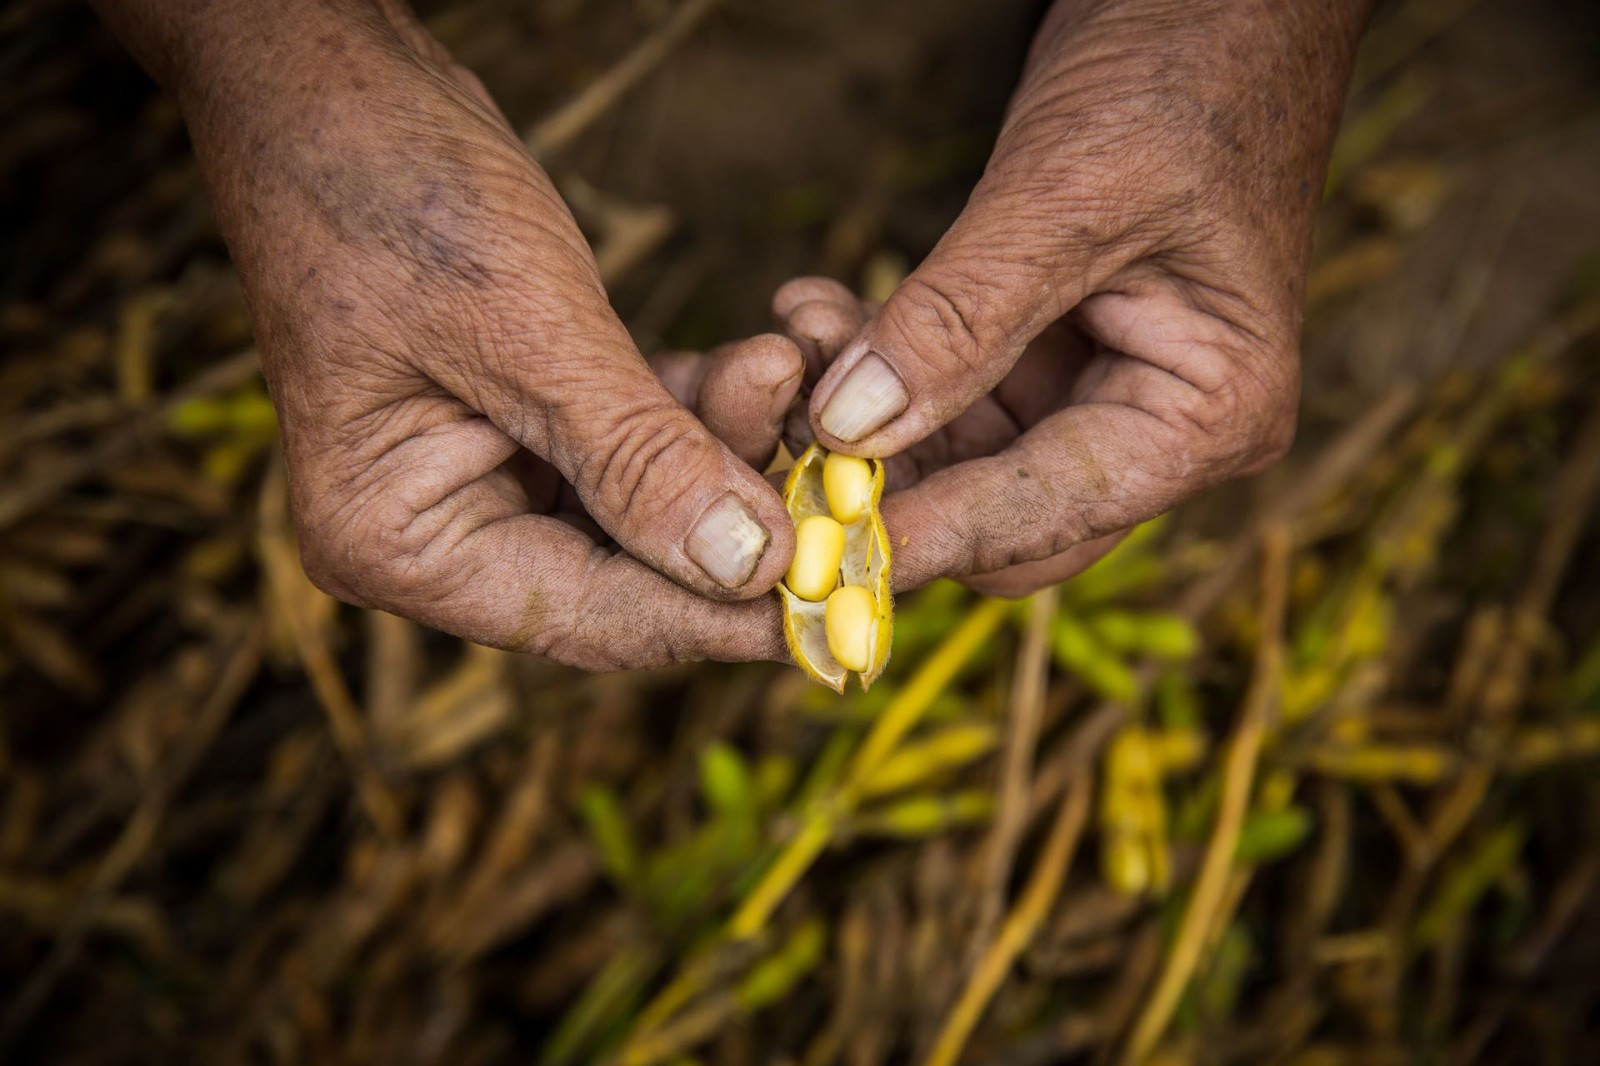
1306, 777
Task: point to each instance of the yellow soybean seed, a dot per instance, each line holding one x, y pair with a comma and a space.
851, 621
847, 483
818, 550
828, 640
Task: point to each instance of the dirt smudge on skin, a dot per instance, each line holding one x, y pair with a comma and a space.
533, 620
1089, 475
425, 220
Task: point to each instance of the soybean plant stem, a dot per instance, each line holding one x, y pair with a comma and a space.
816, 828
898, 718
1023, 723
1044, 885
913, 701
1238, 777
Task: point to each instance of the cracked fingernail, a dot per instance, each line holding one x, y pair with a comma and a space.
727, 542
869, 396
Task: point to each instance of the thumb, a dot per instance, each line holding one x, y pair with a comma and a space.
655, 478
954, 327
645, 468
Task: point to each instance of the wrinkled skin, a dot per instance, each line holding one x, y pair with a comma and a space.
1111, 325
468, 428
473, 441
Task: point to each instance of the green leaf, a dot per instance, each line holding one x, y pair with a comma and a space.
1177, 704
828, 767
775, 776
608, 828
1583, 683
921, 760
1119, 629
1167, 636
1082, 653
1127, 568
1270, 835
1159, 634
725, 781
927, 814
1217, 987
774, 977
610, 996
1466, 881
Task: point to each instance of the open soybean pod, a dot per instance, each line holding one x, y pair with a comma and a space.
836, 627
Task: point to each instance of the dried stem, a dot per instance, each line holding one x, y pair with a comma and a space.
1238, 777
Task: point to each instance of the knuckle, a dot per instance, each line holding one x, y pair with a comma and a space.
1274, 440
797, 292
946, 308
1248, 420
991, 553
819, 330
1279, 417
652, 461
361, 551
1269, 409
317, 559
323, 557
402, 578
1222, 415
759, 363
593, 652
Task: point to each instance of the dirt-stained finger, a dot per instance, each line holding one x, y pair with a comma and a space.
475, 568
747, 392
791, 294
681, 373
822, 329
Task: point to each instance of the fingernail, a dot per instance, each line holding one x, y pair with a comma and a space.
870, 395
727, 542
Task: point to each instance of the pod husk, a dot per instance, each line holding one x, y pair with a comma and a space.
866, 562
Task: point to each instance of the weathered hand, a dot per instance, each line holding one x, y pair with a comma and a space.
1111, 325
466, 422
